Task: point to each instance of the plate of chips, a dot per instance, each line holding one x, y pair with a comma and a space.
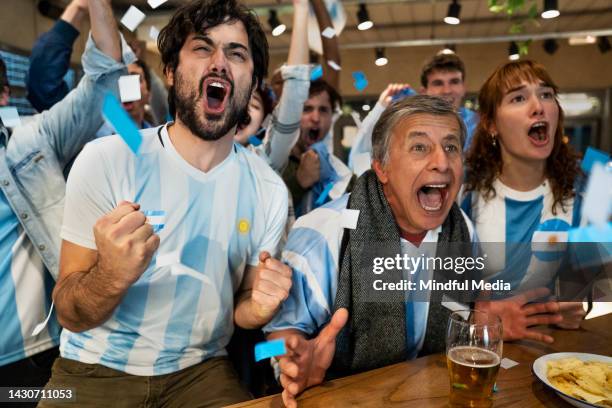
583, 380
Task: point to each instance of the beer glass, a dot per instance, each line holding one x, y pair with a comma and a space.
473, 354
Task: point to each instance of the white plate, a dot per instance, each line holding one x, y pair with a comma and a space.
540, 368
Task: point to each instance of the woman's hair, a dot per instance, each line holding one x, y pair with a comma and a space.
484, 161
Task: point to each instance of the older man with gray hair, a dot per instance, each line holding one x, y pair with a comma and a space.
406, 200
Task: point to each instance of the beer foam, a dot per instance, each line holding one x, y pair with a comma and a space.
473, 357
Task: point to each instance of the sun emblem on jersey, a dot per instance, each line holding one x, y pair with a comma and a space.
243, 226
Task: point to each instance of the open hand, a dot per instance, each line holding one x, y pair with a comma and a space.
518, 315
307, 361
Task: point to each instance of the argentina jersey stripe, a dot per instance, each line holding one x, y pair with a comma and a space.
26, 288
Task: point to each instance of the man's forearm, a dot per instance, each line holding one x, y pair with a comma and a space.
245, 314
84, 300
298, 51
104, 28
74, 15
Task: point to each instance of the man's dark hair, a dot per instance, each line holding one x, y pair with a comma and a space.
201, 15
318, 86
442, 62
147, 73
3, 75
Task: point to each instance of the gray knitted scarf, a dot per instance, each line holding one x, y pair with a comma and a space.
375, 334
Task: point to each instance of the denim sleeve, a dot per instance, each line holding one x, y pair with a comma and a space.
72, 122
49, 62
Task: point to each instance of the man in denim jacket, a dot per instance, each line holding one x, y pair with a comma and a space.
32, 159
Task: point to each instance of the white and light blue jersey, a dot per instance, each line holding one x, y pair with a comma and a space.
25, 292
180, 311
517, 218
313, 251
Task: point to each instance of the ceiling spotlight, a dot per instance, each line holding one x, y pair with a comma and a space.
513, 51
448, 49
452, 16
364, 18
604, 44
551, 46
380, 57
277, 27
551, 9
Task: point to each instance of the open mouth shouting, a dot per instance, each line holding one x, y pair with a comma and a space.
216, 95
432, 196
313, 135
538, 133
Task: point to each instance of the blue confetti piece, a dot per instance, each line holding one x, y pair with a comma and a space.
357, 75
122, 122
333, 11
360, 84
403, 94
269, 349
593, 156
254, 140
323, 196
316, 73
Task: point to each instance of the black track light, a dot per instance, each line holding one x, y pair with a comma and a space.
380, 57
551, 46
364, 18
604, 44
513, 51
452, 16
275, 24
551, 9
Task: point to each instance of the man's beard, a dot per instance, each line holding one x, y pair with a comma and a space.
188, 102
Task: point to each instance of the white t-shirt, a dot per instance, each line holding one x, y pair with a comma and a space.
180, 311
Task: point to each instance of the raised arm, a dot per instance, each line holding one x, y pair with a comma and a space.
298, 49
285, 126
72, 122
50, 58
331, 50
104, 28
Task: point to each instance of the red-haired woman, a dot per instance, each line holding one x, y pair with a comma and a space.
520, 180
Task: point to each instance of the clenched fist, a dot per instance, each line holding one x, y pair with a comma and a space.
309, 170
125, 244
271, 286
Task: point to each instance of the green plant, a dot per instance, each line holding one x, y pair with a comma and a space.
520, 13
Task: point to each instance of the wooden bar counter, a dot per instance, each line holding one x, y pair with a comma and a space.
424, 382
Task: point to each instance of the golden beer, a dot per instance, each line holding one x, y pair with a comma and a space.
472, 371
